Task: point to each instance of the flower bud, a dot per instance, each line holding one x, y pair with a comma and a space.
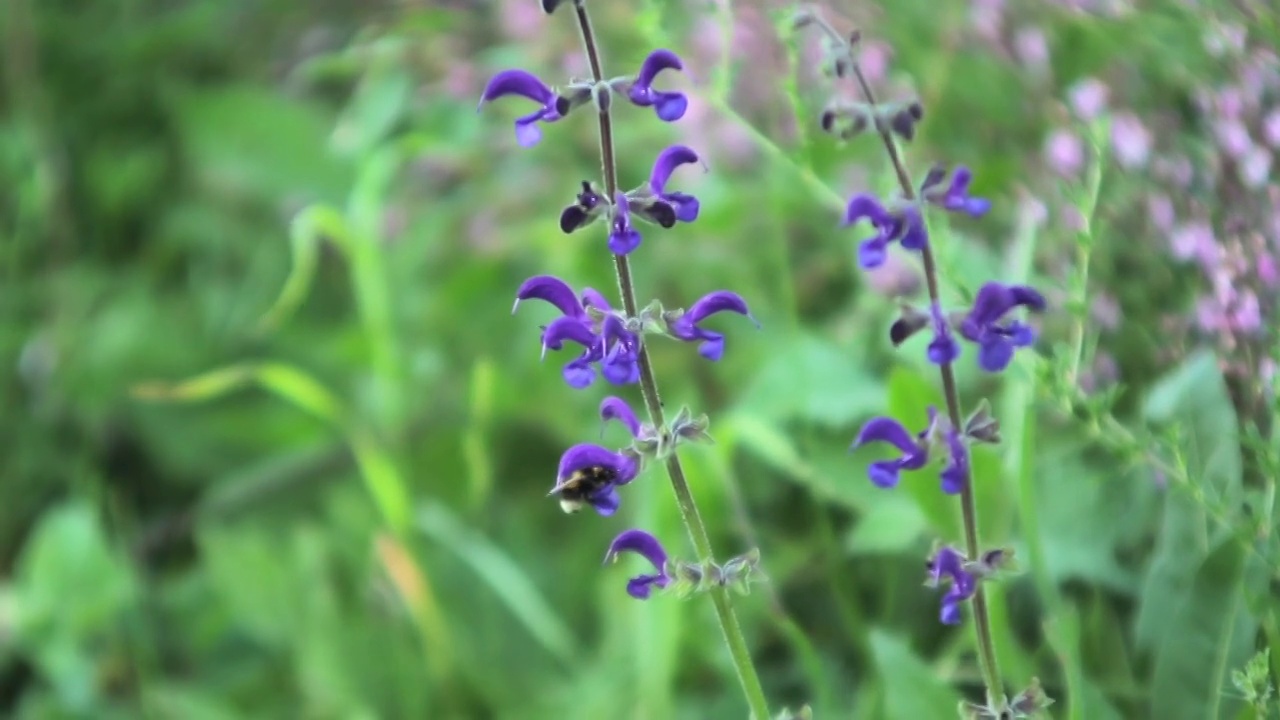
602, 96
981, 426
910, 321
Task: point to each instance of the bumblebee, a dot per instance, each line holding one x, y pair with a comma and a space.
583, 484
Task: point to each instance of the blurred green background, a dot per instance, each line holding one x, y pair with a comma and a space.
273, 446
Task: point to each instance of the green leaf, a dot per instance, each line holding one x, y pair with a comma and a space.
1190, 679
812, 379
311, 227
507, 580
892, 525
911, 688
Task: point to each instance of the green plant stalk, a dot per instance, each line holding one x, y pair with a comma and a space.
968, 504
697, 529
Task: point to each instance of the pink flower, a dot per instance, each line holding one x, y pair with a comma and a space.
1088, 98
1130, 141
1064, 152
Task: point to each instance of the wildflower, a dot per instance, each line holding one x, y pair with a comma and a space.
943, 348
526, 84
947, 563
903, 224
605, 341
684, 325
615, 408
915, 449
996, 340
682, 206
647, 546
590, 475
955, 197
669, 106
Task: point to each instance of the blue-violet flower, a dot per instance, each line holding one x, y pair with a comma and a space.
943, 348
684, 326
669, 106
648, 547
914, 448
903, 223
623, 238
605, 341
996, 340
526, 84
955, 197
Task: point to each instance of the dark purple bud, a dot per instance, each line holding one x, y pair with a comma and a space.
981, 426
653, 210
845, 120
669, 106
587, 207
909, 322
648, 547
685, 326
615, 408
549, 6
551, 289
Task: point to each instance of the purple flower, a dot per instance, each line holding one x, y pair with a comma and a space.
620, 363
622, 237
607, 341
590, 475
949, 564
914, 448
903, 224
943, 348
615, 408
669, 106
997, 340
684, 326
955, 197
956, 472
647, 546
685, 206
526, 84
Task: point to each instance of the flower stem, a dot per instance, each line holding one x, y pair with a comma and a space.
693, 523
968, 504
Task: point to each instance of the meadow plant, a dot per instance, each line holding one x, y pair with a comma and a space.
613, 340
990, 324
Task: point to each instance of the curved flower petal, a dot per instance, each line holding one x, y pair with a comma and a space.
865, 206
666, 163
567, 328
886, 429
615, 408
656, 62
595, 299
551, 289
517, 82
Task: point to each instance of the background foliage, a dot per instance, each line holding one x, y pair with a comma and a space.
272, 445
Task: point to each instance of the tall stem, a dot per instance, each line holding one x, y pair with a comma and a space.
968, 504
693, 523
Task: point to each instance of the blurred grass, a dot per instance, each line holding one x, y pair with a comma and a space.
291, 213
